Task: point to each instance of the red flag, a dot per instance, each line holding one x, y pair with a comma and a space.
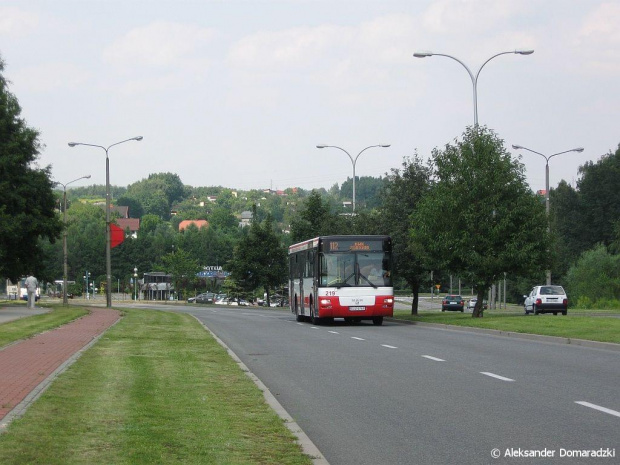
117, 235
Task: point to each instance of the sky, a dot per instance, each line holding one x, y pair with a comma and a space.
239, 93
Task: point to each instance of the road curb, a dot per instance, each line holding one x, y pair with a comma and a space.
512, 334
308, 447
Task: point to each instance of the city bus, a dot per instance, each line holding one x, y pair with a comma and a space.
341, 277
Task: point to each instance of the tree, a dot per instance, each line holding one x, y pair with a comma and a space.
316, 219
259, 259
569, 228
402, 192
27, 209
480, 218
183, 269
135, 208
600, 197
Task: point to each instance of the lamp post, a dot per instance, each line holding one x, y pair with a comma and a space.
135, 283
353, 160
474, 78
547, 158
64, 237
108, 260
86, 276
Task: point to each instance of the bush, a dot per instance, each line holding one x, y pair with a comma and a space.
594, 278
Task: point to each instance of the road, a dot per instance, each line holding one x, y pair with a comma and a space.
403, 394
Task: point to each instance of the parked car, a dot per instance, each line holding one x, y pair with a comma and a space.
453, 303
546, 299
204, 298
472, 304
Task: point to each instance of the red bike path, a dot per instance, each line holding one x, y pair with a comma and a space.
27, 367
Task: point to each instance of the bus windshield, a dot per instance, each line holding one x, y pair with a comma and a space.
356, 269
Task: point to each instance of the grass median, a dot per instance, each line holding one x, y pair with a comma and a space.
27, 327
573, 326
156, 388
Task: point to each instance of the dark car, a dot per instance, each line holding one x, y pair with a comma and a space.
453, 303
204, 298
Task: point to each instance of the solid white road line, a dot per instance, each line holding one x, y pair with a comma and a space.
493, 375
389, 347
598, 407
433, 358
357, 338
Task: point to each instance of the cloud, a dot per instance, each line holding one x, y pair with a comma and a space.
159, 44
465, 16
601, 25
17, 22
292, 48
50, 76
599, 39
353, 63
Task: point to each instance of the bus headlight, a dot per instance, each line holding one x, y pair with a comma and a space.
326, 302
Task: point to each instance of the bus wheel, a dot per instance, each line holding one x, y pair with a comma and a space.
313, 318
377, 320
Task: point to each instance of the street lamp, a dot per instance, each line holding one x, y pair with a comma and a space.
547, 158
86, 276
108, 260
353, 160
135, 283
64, 237
474, 78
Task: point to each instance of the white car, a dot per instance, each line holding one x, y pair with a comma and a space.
546, 299
472, 304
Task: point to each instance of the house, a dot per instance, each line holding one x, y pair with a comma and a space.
156, 285
122, 210
133, 224
198, 223
246, 219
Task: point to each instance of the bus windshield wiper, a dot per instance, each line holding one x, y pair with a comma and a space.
367, 280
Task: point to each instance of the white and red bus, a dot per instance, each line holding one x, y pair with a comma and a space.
341, 277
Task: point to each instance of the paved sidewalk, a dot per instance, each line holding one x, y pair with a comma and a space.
29, 366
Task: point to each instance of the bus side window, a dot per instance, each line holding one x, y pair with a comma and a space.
309, 264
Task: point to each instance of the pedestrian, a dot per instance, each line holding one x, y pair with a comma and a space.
31, 288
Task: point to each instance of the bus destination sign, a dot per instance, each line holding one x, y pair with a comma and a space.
353, 246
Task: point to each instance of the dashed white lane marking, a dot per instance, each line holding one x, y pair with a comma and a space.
357, 338
389, 347
314, 327
493, 375
300, 324
248, 314
433, 358
334, 332
599, 408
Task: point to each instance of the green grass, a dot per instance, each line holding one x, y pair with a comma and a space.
27, 327
156, 388
574, 326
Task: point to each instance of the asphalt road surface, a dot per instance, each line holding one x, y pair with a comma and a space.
403, 394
